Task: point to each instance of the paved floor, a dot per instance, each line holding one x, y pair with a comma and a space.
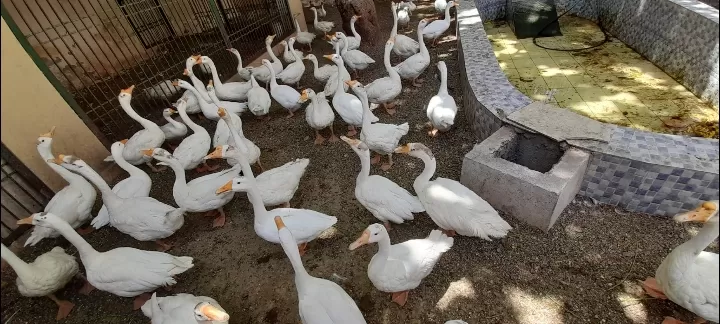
611, 83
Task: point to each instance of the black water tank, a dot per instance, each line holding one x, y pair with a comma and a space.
528, 17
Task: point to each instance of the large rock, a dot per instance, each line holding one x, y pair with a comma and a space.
367, 26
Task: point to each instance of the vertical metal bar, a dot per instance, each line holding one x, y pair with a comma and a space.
220, 22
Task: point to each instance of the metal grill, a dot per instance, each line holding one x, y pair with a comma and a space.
97, 47
22, 195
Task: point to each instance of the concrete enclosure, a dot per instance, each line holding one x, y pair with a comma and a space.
525, 175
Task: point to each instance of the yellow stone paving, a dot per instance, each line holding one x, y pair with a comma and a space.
611, 83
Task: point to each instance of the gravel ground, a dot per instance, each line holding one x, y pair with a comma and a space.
584, 270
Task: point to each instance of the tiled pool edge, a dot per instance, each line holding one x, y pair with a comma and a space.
639, 171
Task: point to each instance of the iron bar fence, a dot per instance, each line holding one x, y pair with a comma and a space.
22, 194
97, 47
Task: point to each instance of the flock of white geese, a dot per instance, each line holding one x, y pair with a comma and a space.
688, 276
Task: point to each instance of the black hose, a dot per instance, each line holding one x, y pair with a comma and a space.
605, 40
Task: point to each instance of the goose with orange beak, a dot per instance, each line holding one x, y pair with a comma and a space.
381, 138
198, 195
277, 186
192, 149
305, 224
137, 184
347, 106
73, 203
399, 268
151, 136
320, 301
143, 218
689, 276
285, 95
184, 308
174, 129
451, 205
387, 201
124, 271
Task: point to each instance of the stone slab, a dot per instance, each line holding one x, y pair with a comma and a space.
543, 118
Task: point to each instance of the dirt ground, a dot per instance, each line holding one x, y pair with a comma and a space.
584, 270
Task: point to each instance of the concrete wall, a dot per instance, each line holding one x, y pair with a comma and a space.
31, 106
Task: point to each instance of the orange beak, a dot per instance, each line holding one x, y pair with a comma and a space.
128, 90
701, 214
304, 96
279, 223
25, 221
124, 141
186, 72
210, 84
221, 112
173, 111
216, 154
213, 313
176, 83
197, 59
329, 57
225, 188
405, 149
148, 152
350, 83
362, 240
50, 134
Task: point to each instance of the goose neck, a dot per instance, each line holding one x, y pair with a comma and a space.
189, 122
21, 267
443, 81
132, 170
393, 33
215, 76
84, 248
134, 115
424, 178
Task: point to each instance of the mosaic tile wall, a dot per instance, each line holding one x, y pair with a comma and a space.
639, 171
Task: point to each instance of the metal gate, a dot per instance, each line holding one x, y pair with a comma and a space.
22, 194
97, 47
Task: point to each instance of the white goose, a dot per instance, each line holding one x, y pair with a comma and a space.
184, 309
398, 268
243, 72
404, 46
277, 186
436, 28
354, 59
303, 37
403, 17
387, 201
190, 62
262, 73
237, 139
138, 184
319, 115
415, 65
286, 96
198, 195
442, 109
322, 73
353, 41
290, 52
452, 206
49, 273
210, 111
193, 148
232, 91
332, 81
73, 203
383, 91
379, 137
320, 301
151, 136
174, 129
347, 106
294, 71
688, 276
258, 100
231, 106
143, 218
305, 224
125, 271
323, 26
